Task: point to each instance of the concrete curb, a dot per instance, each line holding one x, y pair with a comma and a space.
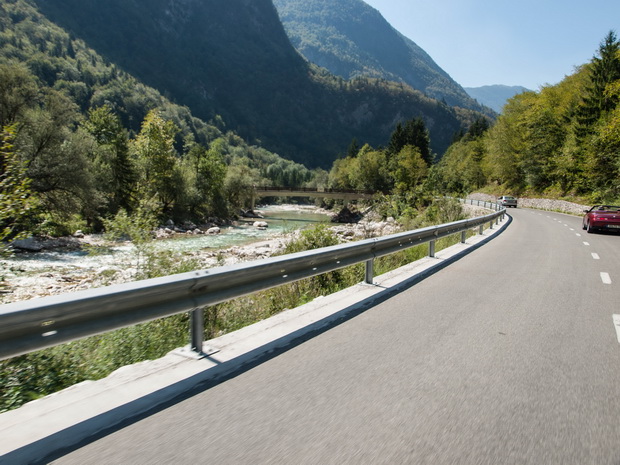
50, 427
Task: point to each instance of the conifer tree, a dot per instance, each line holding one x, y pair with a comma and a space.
353, 149
604, 70
415, 134
397, 140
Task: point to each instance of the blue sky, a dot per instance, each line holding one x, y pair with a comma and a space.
526, 42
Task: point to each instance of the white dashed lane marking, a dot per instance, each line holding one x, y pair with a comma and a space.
617, 325
586, 243
605, 278
595, 256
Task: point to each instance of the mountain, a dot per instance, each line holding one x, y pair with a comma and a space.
495, 96
350, 39
234, 60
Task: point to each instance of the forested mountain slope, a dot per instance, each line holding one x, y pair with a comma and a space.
234, 59
80, 130
351, 39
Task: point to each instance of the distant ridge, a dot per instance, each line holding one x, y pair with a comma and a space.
495, 96
351, 39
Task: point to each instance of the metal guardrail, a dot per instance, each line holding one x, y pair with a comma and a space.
39, 323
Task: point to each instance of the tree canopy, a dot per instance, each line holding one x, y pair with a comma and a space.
562, 140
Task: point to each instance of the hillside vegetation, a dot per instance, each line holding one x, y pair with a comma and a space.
235, 60
561, 141
85, 140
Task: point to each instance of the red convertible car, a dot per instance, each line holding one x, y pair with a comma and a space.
602, 218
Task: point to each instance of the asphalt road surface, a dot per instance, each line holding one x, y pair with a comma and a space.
508, 356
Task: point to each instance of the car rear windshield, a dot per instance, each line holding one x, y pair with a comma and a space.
607, 208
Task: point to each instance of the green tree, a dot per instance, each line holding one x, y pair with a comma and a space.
410, 169
397, 140
413, 133
18, 92
605, 163
478, 128
353, 149
57, 157
604, 70
239, 185
210, 173
370, 171
115, 172
505, 143
16, 198
156, 158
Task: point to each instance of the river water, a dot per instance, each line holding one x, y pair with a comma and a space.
47, 268
281, 220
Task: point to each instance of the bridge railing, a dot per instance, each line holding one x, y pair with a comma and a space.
39, 323
321, 190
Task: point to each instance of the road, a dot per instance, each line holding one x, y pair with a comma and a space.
508, 356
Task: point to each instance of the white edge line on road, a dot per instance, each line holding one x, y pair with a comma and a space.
617, 325
606, 278
595, 256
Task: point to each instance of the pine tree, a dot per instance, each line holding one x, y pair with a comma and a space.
604, 69
415, 134
397, 140
353, 149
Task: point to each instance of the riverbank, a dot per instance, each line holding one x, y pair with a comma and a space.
56, 266
86, 261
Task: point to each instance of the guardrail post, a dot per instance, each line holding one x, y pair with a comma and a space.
463, 237
431, 249
491, 224
197, 332
370, 271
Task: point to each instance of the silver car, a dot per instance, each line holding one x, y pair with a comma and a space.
507, 201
